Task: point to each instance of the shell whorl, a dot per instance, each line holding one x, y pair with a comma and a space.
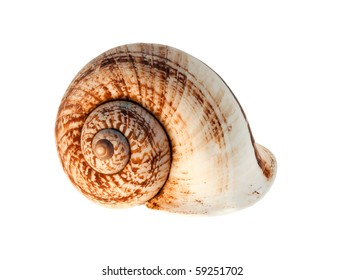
147, 123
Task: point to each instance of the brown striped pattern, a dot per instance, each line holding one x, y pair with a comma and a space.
143, 171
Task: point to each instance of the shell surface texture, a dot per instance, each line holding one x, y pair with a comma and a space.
150, 124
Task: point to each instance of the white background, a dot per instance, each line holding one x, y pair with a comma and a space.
284, 60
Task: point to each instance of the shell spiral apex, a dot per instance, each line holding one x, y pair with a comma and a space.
150, 124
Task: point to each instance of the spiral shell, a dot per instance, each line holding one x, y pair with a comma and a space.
147, 123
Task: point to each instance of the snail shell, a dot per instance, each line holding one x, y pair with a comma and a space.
147, 123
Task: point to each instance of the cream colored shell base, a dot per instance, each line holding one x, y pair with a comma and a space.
147, 123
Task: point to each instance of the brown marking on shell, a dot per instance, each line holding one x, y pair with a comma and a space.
265, 160
107, 62
266, 166
150, 153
